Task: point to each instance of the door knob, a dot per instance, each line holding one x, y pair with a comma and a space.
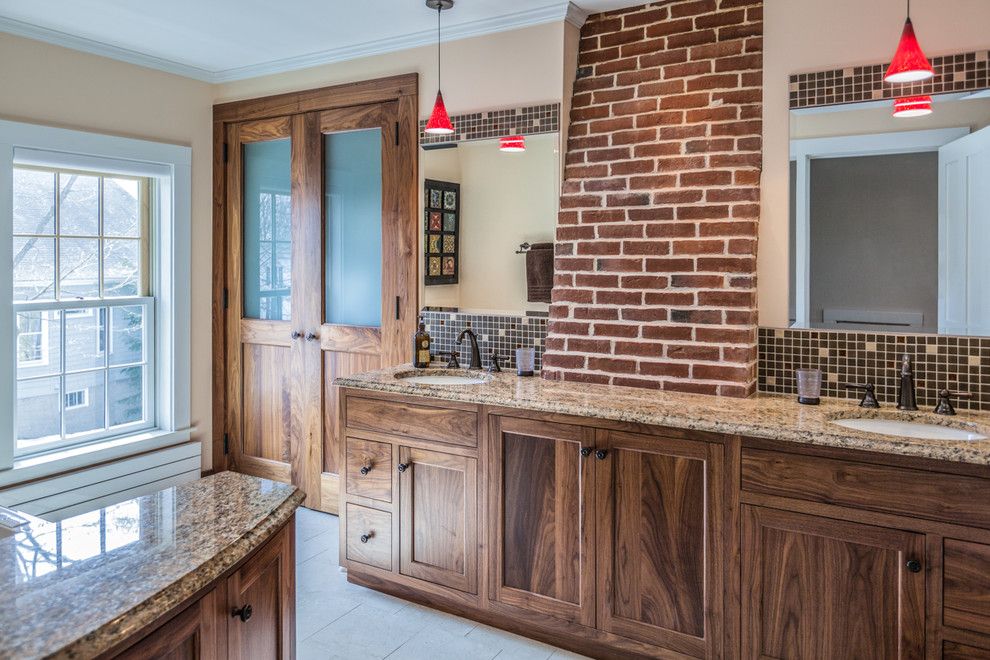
914, 565
365, 469
243, 613
296, 334
310, 336
586, 451
601, 454
403, 467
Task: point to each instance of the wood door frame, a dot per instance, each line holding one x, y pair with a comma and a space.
403, 89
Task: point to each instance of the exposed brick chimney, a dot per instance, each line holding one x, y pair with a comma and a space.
655, 281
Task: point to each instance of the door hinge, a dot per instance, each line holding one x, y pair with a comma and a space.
396, 133
225, 152
226, 298
226, 444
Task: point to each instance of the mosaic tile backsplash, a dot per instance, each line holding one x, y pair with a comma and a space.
961, 364
500, 332
528, 120
960, 72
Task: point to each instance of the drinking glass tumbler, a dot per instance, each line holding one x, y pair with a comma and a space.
809, 386
525, 361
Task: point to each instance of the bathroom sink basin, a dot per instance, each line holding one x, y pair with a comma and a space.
443, 378
908, 429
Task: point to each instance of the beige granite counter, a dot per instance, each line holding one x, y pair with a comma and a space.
78, 587
765, 416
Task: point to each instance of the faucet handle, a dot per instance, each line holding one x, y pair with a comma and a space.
869, 399
493, 366
452, 362
944, 406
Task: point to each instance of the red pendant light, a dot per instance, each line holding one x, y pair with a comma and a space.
512, 144
909, 63
913, 106
439, 123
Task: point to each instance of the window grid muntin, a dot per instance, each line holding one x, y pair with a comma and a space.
146, 301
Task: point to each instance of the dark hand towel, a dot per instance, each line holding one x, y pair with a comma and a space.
539, 272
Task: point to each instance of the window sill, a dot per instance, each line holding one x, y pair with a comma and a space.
74, 458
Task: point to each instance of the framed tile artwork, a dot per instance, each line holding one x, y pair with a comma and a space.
442, 203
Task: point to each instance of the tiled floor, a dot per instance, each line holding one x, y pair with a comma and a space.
336, 619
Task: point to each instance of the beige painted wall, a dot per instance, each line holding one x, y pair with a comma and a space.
46, 84
955, 113
808, 35
506, 199
497, 70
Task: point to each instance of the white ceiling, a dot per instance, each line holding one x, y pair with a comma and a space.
219, 40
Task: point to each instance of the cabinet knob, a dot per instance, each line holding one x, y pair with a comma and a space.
365, 469
367, 537
310, 336
296, 334
586, 451
403, 467
914, 565
243, 613
601, 454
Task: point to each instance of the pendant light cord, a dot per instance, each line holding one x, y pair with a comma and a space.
440, 10
909, 9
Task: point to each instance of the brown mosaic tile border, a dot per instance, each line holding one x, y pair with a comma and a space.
961, 72
527, 120
962, 364
495, 331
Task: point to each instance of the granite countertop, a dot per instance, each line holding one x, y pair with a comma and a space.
772, 417
77, 587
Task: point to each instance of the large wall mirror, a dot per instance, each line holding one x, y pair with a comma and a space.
487, 204
890, 217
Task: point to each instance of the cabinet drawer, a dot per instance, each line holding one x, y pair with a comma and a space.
410, 420
375, 458
903, 491
966, 586
375, 527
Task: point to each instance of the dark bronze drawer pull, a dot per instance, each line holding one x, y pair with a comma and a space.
243, 613
403, 467
367, 537
365, 469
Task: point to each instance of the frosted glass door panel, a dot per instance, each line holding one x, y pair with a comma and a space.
267, 216
353, 208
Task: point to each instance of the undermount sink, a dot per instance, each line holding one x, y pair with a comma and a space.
443, 378
908, 429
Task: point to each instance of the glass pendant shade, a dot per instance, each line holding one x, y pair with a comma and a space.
439, 123
913, 106
909, 63
512, 144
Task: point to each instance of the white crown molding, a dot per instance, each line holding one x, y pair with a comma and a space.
557, 11
575, 15
93, 47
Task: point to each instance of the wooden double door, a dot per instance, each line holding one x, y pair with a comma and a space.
321, 272
610, 530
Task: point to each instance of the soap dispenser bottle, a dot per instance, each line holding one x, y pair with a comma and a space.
421, 346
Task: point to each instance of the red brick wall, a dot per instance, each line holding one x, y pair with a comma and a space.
655, 281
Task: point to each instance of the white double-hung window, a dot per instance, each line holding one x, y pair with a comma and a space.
94, 308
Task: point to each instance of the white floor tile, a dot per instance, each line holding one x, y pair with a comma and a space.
339, 620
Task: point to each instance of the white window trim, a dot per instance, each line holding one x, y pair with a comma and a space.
171, 164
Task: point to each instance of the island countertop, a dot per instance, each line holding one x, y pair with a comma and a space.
78, 587
772, 417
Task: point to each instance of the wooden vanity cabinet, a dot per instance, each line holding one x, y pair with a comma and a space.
814, 587
438, 532
247, 614
659, 540
542, 508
